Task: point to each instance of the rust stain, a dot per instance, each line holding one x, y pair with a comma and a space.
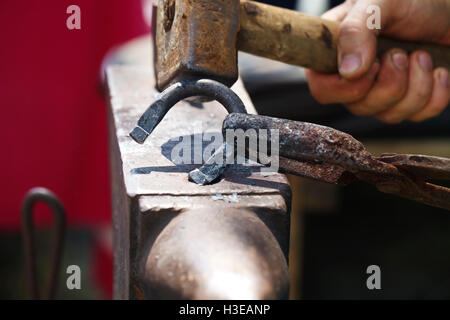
326, 154
327, 37
195, 26
287, 28
251, 8
169, 14
139, 294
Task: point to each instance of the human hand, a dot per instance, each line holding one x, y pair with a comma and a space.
397, 87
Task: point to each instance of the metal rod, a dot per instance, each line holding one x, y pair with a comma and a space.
179, 91
34, 196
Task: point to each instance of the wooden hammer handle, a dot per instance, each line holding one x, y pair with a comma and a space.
295, 38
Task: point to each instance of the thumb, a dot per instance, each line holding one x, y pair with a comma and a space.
357, 43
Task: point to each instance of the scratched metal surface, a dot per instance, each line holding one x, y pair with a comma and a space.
148, 169
152, 195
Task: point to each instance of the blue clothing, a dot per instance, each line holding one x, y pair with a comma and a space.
291, 3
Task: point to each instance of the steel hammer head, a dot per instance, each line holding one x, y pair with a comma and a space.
196, 39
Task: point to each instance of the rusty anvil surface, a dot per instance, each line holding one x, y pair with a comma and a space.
237, 229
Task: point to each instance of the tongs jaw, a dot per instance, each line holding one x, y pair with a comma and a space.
328, 155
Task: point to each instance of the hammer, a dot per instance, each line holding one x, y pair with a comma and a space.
197, 39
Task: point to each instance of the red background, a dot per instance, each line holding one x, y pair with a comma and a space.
53, 130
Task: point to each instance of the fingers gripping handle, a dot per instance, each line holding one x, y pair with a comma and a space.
299, 39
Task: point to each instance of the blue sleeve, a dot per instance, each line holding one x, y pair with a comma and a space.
291, 3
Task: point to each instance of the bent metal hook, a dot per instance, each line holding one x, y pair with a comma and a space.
179, 91
184, 89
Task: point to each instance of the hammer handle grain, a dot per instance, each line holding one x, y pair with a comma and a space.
298, 39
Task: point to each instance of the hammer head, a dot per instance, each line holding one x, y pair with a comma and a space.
196, 39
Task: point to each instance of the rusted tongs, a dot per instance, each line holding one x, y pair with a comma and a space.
332, 156
307, 149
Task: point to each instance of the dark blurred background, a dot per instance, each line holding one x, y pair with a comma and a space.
337, 232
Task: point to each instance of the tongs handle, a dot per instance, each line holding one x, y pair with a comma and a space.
328, 155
